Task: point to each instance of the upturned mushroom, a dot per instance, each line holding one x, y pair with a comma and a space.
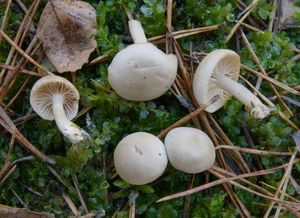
140, 158
189, 150
217, 74
141, 72
55, 98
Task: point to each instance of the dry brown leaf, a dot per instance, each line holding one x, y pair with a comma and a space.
67, 30
13, 212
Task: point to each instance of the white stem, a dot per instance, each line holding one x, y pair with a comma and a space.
136, 31
258, 109
67, 128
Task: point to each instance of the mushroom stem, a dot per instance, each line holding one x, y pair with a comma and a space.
137, 32
258, 109
67, 128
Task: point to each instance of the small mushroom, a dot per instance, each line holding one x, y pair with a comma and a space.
189, 150
140, 158
217, 74
55, 98
141, 72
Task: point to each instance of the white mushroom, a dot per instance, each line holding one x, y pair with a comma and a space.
140, 158
217, 74
141, 72
189, 150
55, 98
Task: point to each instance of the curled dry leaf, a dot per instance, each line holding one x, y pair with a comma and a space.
13, 212
67, 30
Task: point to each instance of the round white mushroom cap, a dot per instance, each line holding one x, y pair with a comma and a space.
189, 150
43, 91
140, 158
142, 72
216, 64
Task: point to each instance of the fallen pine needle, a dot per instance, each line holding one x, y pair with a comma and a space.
254, 151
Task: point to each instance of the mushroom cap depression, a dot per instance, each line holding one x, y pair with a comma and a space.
140, 158
216, 64
42, 92
190, 150
142, 72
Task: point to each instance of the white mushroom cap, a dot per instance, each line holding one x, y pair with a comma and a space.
140, 158
189, 150
142, 72
212, 67
41, 96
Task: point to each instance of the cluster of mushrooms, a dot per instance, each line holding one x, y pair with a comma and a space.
142, 72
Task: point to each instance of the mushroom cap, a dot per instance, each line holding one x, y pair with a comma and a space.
212, 67
140, 158
142, 72
42, 92
189, 150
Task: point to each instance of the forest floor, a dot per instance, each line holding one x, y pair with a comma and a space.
257, 169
